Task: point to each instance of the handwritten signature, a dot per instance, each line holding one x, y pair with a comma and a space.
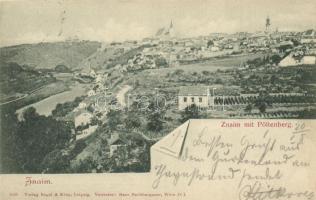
257, 191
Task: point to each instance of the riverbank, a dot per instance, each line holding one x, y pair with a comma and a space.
47, 105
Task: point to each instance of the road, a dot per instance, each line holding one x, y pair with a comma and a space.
120, 96
150, 139
24, 96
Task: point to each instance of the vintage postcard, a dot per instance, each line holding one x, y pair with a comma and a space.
158, 99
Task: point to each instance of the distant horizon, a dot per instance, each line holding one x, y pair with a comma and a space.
100, 41
117, 21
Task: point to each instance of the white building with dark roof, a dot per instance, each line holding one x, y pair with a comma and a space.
198, 95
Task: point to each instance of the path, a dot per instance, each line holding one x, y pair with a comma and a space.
121, 95
24, 95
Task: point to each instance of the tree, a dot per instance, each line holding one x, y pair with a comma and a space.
275, 59
8, 143
62, 68
178, 72
248, 108
63, 109
273, 79
30, 114
87, 165
90, 108
283, 48
155, 122
295, 42
114, 119
190, 112
161, 62
206, 73
210, 43
95, 121
56, 162
218, 81
263, 101
132, 122
307, 114
39, 136
262, 106
33, 139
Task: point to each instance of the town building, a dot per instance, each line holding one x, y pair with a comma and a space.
83, 118
118, 145
292, 60
198, 95
309, 37
91, 93
309, 60
288, 61
86, 132
82, 105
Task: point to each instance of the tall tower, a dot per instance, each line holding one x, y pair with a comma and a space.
171, 29
268, 23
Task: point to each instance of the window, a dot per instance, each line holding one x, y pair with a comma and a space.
200, 99
184, 99
192, 99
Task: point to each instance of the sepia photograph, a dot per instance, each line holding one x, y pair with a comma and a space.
116, 86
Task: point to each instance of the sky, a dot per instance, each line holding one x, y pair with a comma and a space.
33, 21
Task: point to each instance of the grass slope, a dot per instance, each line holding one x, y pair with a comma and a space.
48, 55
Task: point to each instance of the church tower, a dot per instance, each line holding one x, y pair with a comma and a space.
268, 24
171, 29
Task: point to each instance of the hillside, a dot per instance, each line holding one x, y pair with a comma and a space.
48, 55
17, 79
110, 56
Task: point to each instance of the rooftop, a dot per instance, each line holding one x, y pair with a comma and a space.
193, 91
117, 138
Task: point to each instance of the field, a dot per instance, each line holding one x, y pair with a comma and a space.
213, 64
221, 63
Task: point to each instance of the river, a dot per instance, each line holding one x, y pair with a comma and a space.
47, 105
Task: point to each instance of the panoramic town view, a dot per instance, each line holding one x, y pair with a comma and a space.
88, 106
